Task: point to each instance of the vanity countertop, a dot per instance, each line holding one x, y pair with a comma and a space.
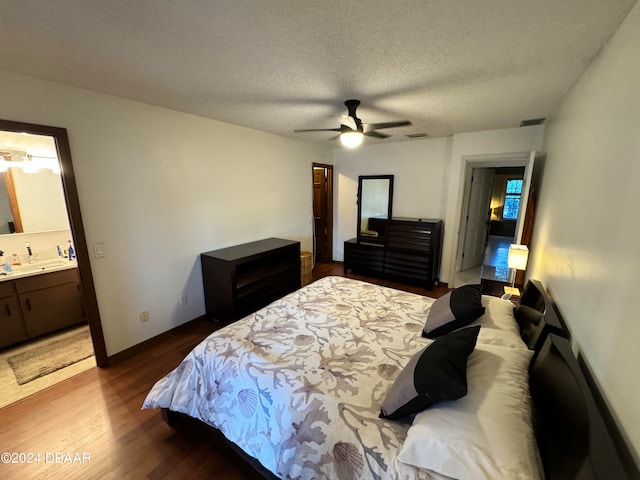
38, 268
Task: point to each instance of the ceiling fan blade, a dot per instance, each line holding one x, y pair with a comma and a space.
318, 130
351, 123
378, 126
376, 134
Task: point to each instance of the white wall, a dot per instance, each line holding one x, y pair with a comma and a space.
585, 245
159, 187
419, 168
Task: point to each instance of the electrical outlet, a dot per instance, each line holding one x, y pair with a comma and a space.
182, 300
144, 316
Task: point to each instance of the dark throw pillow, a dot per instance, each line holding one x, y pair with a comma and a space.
453, 311
437, 372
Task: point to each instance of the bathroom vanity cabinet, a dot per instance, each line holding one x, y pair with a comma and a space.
12, 328
39, 304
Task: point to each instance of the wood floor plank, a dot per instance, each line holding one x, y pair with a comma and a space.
98, 414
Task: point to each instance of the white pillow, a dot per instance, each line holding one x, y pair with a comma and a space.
486, 434
499, 326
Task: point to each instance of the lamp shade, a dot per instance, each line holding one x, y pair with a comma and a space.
518, 256
351, 139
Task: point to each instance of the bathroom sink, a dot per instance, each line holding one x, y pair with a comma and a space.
41, 266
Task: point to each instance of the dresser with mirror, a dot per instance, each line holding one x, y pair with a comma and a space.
398, 248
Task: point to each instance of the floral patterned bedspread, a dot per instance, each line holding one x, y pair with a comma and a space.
299, 384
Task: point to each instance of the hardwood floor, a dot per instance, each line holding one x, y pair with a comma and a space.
93, 423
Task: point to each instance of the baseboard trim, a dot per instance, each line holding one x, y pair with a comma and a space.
131, 351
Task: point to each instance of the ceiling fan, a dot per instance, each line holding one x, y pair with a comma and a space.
352, 129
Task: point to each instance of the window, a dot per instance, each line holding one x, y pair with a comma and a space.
512, 195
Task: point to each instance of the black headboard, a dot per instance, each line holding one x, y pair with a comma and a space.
577, 435
573, 438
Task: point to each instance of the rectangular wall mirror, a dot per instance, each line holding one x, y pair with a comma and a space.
375, 200
31, 193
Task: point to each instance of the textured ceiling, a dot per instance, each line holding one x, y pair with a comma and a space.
448, 66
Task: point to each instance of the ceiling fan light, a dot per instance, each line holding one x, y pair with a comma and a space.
351, 139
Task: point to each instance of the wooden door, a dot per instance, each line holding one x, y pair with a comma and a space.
323, 212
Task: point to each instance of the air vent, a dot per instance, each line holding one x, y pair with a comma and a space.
418, 135
532, 121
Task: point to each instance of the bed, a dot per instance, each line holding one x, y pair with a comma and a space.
318, 384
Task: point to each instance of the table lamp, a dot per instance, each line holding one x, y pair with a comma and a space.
517, 260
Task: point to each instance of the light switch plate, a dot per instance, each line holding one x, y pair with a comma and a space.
98, 250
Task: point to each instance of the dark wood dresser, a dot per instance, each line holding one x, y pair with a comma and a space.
242, 279
409, 253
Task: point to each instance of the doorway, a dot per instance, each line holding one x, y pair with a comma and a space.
496, 195
322, 176
72, 202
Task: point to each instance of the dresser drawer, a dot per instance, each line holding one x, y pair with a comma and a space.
363, 257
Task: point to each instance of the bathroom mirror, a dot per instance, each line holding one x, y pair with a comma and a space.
375, 199
31, 202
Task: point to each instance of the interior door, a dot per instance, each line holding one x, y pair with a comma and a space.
323, 212
478, 213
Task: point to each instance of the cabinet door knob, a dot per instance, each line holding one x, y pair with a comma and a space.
8, 308
28, 304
